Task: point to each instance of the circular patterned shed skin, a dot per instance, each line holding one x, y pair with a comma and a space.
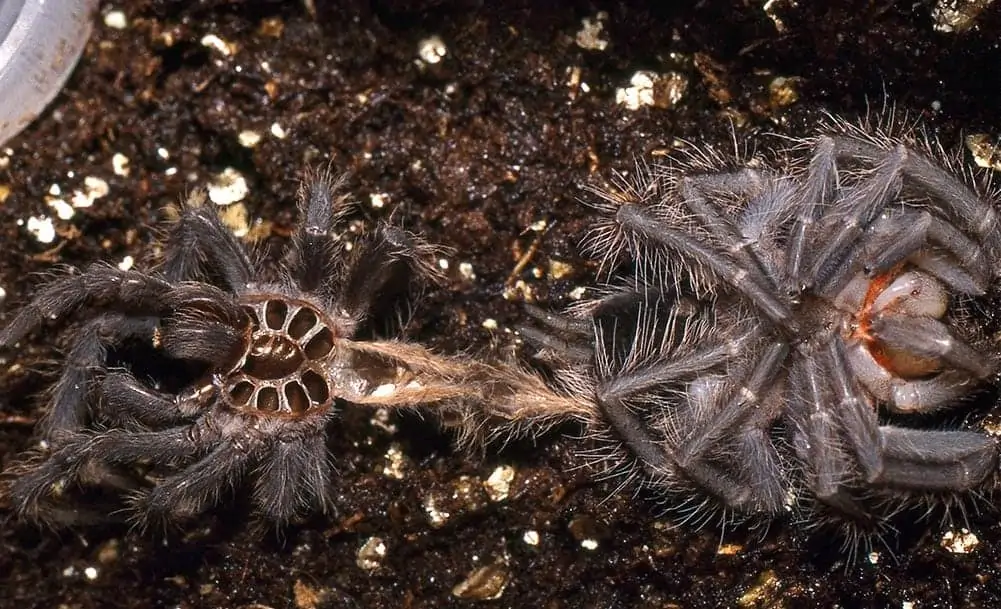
284, 370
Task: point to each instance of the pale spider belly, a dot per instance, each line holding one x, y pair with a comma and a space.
283, 369
900, 294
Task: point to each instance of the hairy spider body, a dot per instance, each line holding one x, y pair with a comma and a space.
784, 326
270, 359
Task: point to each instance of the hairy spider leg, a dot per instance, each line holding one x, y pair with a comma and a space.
888, 456
222, 461
205, 324
295, 479
817, 192
351, 281
695, 193
141, 306
905, 395
901, 235
317, 253
769, 200
864, 202
200, 247
641, 222
130, 292
32, 486
929, 338
691, 455
855, 413
68, 409
936, 460
564, 335
617, 385
913, 460
973, 213
383, 267
816, 436
292, 477
135, 405
618, 381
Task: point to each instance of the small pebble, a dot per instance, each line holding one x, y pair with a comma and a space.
590, 36
371, 553
648, 88
228, 187
531, 538
42, 228
120, 164
248, 138
498, 484
960, 542
116, 20
484, 583
432, 49
219, 45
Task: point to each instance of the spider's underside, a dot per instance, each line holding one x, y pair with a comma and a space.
786, 333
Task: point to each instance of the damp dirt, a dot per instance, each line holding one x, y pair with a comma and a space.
475, 124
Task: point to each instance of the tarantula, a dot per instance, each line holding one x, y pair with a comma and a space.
786, 330
267, 361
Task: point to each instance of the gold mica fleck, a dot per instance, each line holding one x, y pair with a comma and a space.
559, 269
4, 192
959, 542
498, 484
108, 552
782, 91
713, 76
729, 549
648, 88
371, 553
436, 516
236, 218
520, 290
762, 593
466, 495
954, 16
249, 138
770, 7
220, 45
271, 88
272, 27
483, 584
985, 149
591, 35
306, 596
396, 463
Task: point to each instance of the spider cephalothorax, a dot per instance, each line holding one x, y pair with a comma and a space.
266, 362
288, 352
784, 327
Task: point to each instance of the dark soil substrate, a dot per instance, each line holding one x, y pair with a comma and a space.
473, 151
